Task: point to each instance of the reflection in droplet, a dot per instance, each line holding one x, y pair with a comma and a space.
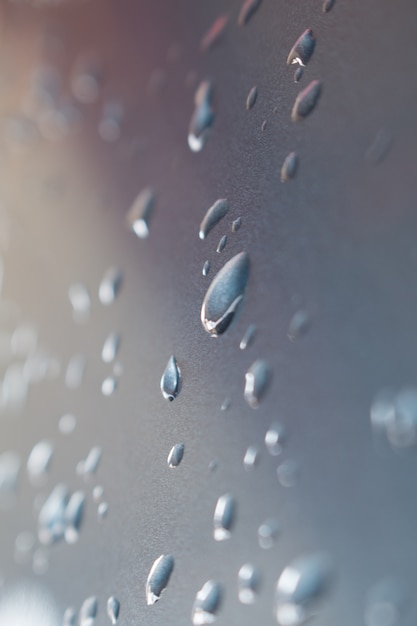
73, 516
225, 294
67, 424
203, 117
158, 578
214, 33
287, 473
236, 224
306, 101
267, 534
251, 99
39, 461
110, 285
108, 386
299, 324
80, 301
385, 603
51, 519
206, 268
75, 371
248, 582
138, 216
303, 49
274, 439
327, 5
113, 609
206, 604
110, 348
223, 518
251, 457
257, 380
248, 337
222, 244
171, 380
289, 167
88, 611
213, 216
176, 454
249, 7
379, 148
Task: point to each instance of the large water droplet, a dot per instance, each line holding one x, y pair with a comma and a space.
110, 285
213, 216
51, 520
257, 380
306, 101
73, 516
203, 117
80, 301
289, 167
214, 33
287, 473
140, 213
158, 578
274, 439
175, 455
113, 609
222, 244
110, 348
225, 294
251, 99
39, 461
248, 582
171, 380
88, 611
223, 518
206, 604
249, 7
302, 50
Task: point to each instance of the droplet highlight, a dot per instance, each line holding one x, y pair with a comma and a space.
39, 462
251, 457
206, 268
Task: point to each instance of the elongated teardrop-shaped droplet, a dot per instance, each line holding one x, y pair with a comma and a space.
88, 611
206, 604
158, 578
251, 457
247, 10
248, 337
176, 454
214, 33
110, 348
110, 285
225, 294
306, 101
206, 268
39, 461
303, 49
248, 582
257, 380
289, 167
251, 99
113, 609
202, 118
73, 516
171, 380
51, 520
213, 216
328, 5
140, 213
236, 224
301, 584
222, 244
223, 517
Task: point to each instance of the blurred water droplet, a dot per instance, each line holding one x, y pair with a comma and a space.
251, 457
225, 294
39, 461
223, 518
110, 348
306, 101
214, 33
303, 49
274, 439
202, 118
222, 244
51, 519
113, 609
75, 371
102, 511
91, 462
15, 388
394, 415
206, 268
98, 493
213, 216
328, 5
70, 617
9, 474
299, 324
158, 578
302, 583
24, 544
379, 148
86, 81
287, 473
171, 380
109, 127
213, 465
226, 404
298, 74
248, 337
263, 125
267, 534
74, 512
248, 582
67, 424
257, 380
236, 224
249, 7
140, 213
385, 603
108, 386
24, 340
289, 167
175, 455
110, 285
251, 99
206, 604
80, 301
40, 562
88, 611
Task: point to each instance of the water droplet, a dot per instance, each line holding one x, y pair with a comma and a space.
257, 380
287, 473
51, 519
24, 340
91, 462
206, 268
226, 404
140, 213
24, 544
301, 584
251, 99
299, 324
267, 534
15, 388
395, 416
298, 74
75, 371
223, 518
263, 125
9, 473
249, 7
213, 465
202, 118
86, 82
108, 386
248, 337
88, 611
236, 224
113, 609
306, 101
303, 49
110, 285
98, 493
40, 562
80, 301
385, 603
67, 424
158, 578
70, 617
213, 216
222, 244
251, 457
214, 33
171, 380
328, 5
73, 516
175, 455
248, 582
102, 511
206, 604
110, 348
39, 461
225, 294
289, 167
109, 127
379, 148
274, 439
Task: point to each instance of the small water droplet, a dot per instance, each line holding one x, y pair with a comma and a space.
328, 5
385, 603
222, 244
251, 457
98, 493
158, 578
206, 604
75, 371
225, 294
248, 583
289, 167
171, 380
257, 380
267, 534
298, 74
214, 33
226, 404
303, 49
223, 518
109, 127
175, 455
88, 611
90, 464
39, 461
248, 337
302, 583
274, 439
251, 99
236, 224
113, 609
102, 511
70, 617
73, 516
206, 268
248, 8
306, 101
110, 285
110, 348
108, 386
138, 216
299, 324
213, 216
202, 118
80, 301
51, 519
379, 148
263, 125
67, 424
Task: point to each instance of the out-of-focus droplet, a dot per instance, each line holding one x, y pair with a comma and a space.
379, 148
110, 124
222, 244
206, 604
223, 518
108, 386
140, 213
86, 81
327, 5
251, 457
91, 462
225, 294
158, 578
39, 461
98, 493
24, 340
257, 380
289, 167
236, 224
251, 99
394, 415
298, 74
274, 439
299, 324
249, 7
70, 617
303, 49
80, 301
15, 388
202, 118
102, 511
171, 380
248, 583
301, 585
248, 337
386, 602
306, 101
110, 348
267, 534
9, 474
24, 544
40, 562
73, 516
206, 268
67, 424
51, 519
226, 404
213, 216
287, 473
214, 33
75, 371
175, 455
88, 611
113, 609
110, 285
